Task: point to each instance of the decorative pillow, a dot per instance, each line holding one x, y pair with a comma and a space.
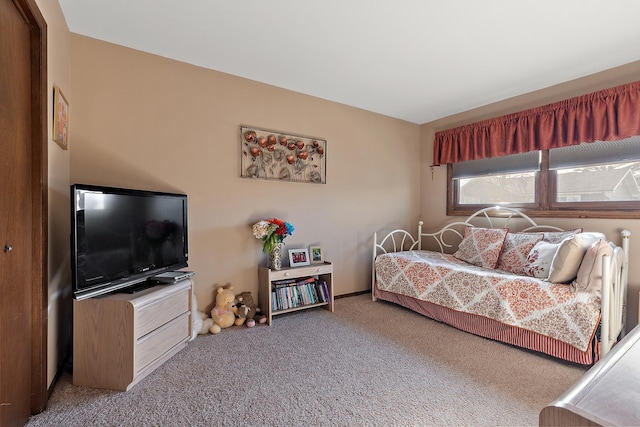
515, 251
590, 272
566, 262
559, 236
481, 246
538, 262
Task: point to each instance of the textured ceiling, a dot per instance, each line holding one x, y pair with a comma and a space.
416, 60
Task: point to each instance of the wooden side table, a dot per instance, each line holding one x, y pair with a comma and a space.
268, 280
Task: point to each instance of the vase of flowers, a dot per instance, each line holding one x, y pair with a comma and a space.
272, 233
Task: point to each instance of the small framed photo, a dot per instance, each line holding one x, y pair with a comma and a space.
298, 257
315, 253
60, 118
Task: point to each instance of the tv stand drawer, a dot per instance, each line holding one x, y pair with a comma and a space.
172, 301
156, 343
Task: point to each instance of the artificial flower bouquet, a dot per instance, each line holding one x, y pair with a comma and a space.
272, 232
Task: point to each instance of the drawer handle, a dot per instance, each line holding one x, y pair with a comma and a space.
319, 270
286, 274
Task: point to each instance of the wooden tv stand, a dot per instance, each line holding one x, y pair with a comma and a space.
118, 339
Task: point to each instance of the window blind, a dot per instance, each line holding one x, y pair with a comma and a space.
516, 163
595, 153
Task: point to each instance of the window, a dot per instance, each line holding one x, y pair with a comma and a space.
504, 180
598, 180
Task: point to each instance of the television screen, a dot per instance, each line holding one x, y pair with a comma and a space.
121, 237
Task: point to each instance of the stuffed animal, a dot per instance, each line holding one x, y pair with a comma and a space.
205, 323
224, 312
201, 321
247, 310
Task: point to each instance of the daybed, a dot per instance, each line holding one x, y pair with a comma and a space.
500, 275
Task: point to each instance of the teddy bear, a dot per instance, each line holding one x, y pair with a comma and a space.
224, 311
247, 311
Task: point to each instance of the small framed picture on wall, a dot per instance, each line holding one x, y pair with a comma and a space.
298, 257
315, 253
60, 118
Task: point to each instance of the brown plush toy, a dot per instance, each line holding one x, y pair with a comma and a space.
247, 311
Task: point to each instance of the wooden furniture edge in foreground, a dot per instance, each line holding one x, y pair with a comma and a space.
606, 395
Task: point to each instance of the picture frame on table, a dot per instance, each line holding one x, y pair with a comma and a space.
298, 257
316, 255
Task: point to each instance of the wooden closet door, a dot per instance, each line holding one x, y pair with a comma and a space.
20, 179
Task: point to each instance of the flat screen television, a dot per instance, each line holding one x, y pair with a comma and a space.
122, 237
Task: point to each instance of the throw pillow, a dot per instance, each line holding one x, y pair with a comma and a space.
481, 246
538, 261
559, 236
566, 262
590, 272
515, 251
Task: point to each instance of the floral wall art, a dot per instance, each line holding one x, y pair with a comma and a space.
276, 155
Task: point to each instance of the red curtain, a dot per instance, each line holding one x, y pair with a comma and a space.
606, 115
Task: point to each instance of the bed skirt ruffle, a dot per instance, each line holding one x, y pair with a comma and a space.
492, 329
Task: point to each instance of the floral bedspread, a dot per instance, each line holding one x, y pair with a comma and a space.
546, 308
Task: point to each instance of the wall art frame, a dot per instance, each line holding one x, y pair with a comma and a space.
298, 257
282, 156
60, 131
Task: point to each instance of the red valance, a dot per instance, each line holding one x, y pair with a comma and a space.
600, 116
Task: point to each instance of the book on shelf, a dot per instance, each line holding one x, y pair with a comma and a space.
314, 293
307, 294
283, 283
324, 291
289, 282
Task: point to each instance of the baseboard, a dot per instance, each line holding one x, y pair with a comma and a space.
352, 294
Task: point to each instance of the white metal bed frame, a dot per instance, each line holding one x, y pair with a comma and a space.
614, 277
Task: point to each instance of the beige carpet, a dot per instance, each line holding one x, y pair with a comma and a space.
367, 364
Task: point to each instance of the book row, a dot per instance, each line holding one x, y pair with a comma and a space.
285, 294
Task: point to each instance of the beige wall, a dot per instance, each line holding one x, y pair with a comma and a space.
144, 121
59, 307
433, 191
